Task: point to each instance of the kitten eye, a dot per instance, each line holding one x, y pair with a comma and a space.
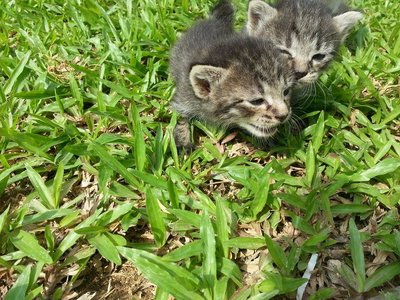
318, 56
285, 52
257, 101
286, 92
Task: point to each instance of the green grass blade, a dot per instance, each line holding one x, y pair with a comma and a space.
382, 275
222, 226
29, 245
40, 187
156, 220
57, 185
357, 254
261, 196
384, 167
310, 164
20, 287
9, 85
3, 218
319, 132
140, 147
105, 247
207, 236
191, 249
246, 243
114, 164
277, 254
171, 278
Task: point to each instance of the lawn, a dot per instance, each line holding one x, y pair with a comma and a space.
96, 202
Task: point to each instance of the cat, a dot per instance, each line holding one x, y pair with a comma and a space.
308, 31
229, 79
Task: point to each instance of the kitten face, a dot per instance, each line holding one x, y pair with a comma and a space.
304, 30
244, 97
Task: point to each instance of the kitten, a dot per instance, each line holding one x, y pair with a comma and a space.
307, 31
229, 79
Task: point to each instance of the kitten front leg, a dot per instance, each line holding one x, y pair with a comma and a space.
182, 134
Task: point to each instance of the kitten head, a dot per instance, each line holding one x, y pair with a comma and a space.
307, 31
248, 86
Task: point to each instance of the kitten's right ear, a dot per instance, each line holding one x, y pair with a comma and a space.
346, 21
259, 13
204, 78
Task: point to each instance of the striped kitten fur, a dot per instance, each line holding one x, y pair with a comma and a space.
229, 79
308, 31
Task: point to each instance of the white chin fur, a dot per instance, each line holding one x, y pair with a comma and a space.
309, 78
261, 132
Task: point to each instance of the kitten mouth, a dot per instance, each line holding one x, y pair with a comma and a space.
260, 131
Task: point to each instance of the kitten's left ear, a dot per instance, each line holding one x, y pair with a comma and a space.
259, 13
346, 21
204, 79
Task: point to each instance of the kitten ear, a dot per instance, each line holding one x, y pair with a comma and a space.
346, 21
259, 13
204, 78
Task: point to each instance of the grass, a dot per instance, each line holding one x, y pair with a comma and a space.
95, 197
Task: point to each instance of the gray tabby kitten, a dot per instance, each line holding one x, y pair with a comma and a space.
307, 31
229, 79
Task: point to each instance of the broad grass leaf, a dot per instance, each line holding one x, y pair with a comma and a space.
112, 215
207, 236
57, 184
318, 238
310, 164
158, 151
318, 132
40, 187
231, 270
246, 243
384, 167
173, 194
50, 241
382, 275
350, 208
106, 247
152, 180
122, 191
323, 294
20, 287
187, 216
277, 254
357, 254
140, 146
3, 218
156, 219
47, 215
221, 288
190, 249
260, 197
222, 226
281, 283
9, 85
76, 93
168, 276
114, 164
293, 199
348, 276
72, 236
30, 246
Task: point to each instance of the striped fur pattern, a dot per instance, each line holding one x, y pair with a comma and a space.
229, 79
309, 32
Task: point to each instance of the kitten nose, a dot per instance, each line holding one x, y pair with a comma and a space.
281, 118
299, 75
